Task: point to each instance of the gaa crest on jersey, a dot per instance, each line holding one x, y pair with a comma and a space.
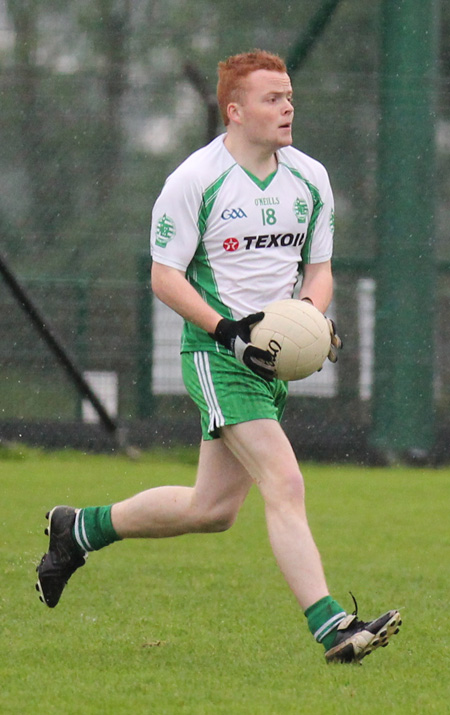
228, 214
300, 210
165, 231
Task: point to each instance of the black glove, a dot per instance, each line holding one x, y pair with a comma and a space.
336, 342
235, 335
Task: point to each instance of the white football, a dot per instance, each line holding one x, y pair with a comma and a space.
297, 335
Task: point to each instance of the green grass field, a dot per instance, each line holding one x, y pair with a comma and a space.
205, 624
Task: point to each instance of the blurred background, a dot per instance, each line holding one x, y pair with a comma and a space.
101, 99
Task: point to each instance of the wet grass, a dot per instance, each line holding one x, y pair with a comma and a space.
205, 624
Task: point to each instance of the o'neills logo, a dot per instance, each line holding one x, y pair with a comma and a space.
274, 348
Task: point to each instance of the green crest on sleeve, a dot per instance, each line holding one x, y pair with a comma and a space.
165, 231
332, 220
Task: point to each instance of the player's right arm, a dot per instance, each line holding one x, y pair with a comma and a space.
172, 288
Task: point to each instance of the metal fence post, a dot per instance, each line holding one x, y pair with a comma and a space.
309, 36
404, 348
144, 367
81, 345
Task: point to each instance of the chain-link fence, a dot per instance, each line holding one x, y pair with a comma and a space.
94, 115
104, 325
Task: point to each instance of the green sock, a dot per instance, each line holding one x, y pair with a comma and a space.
324, 617
93, 528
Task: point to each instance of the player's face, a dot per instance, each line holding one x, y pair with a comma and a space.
266, 112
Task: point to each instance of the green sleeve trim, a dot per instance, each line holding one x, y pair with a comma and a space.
200, 274
208, 199
317, 208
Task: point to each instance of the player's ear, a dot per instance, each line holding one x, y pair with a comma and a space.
234, 112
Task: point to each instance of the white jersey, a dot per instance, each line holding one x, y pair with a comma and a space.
240, 240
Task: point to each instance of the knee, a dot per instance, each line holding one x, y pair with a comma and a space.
286, 490
217, 520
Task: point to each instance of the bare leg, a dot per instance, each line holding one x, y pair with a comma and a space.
264, 450
211, 505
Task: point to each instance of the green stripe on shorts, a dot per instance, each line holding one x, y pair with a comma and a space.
227, 392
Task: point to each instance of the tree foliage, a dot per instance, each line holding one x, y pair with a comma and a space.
100, 102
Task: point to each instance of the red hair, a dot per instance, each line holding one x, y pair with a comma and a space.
235, 69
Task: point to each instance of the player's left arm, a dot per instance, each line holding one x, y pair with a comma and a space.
317, 288
317, 284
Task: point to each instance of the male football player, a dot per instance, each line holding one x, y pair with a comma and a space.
229, 230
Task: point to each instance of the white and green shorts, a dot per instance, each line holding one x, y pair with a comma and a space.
227, 392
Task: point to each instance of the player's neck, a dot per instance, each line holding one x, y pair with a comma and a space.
259, 161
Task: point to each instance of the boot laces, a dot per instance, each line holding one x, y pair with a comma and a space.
356, 622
